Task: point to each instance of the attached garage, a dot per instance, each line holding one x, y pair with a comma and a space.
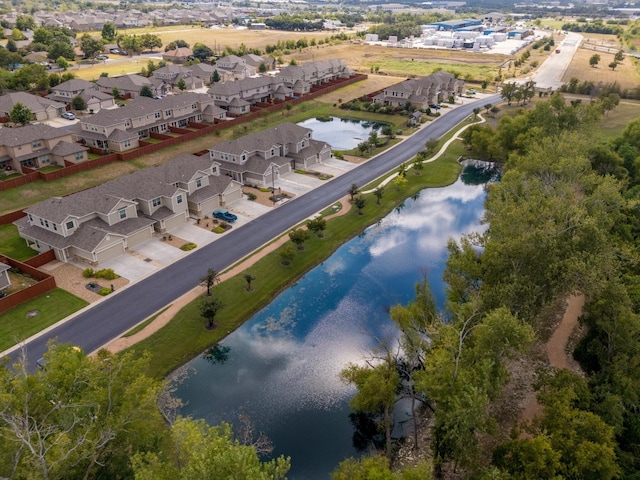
140, 236
233, 192
205, 207
110, 252
173, 222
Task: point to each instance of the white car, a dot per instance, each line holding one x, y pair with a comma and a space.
68, 116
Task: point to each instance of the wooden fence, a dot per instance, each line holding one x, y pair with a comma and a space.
45, 284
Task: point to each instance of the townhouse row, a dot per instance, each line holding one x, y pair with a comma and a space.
103, 222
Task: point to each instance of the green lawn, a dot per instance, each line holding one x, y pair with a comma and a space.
185, 336
12, 245
53, 307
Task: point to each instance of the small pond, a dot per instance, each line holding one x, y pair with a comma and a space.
341, 133
281, 367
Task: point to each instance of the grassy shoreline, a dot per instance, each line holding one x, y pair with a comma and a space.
185, 337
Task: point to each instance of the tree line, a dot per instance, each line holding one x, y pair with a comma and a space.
561, 221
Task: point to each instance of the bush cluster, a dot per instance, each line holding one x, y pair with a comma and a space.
188, 246
106, 273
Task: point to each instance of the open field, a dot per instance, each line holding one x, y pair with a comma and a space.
626, 73
222, 37
113, 69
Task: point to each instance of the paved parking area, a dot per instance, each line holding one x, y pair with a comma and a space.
161, 253
193, 233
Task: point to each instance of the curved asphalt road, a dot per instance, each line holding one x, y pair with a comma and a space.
96, 326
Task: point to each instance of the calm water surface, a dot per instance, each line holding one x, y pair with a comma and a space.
282, 366
341, 133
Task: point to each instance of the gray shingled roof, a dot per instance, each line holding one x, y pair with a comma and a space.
32, 102
234, 88
13, 137
74, 85
262, 141
67, 148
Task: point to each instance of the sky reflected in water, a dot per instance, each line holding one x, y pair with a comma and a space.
283, 365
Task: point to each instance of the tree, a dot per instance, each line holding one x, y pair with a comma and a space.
613, 65
317, 225
262, 68
298, 236
430, 145
359, 203
378, 193
90, 46
202, 451
131, 43
182, 85
249, 278
61, 49
293, 62
287, 254
377, 383
11, 45
62, 63
149, 41
78, 103
25, 22
21, 114
402, 170
176, 44
594, 60
209, 308
201, 51
619, 56
109, 32
476, 111
80, 417
353, 191
508, 92
116, 93
215, 78
146, 91
211, 279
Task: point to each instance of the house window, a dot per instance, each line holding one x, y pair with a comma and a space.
122, 213
127, 143
127, 123
179, 199
79, 155
273, 152
157, 114
42, 222
30, 218
198, 182
44, 158
214, 169
70, 225
36, 144
55, 227
167, 113
46, 223
156, 202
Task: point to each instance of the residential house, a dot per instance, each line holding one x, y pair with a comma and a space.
236, 66
260, 158
172, 74
237, 97
100, 223
131, 85
121, 129
36, 146
204, 72
178, 55
88, 91
42, 108
5, 281
422, 92
301, 78
256, 60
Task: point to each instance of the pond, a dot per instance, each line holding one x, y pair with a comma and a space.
341, 133
281, 368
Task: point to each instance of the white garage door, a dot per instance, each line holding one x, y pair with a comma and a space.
110, 252
139, 237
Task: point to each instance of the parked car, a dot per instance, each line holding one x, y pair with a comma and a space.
435, 106
225, 215
68, 116
117, 51
102, 57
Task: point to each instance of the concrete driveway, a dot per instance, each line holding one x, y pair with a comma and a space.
130, 267
159, 252
195, 234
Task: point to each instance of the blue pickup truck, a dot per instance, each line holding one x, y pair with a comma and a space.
225, 215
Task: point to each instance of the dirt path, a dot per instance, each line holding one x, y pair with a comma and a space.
556, 349
165, 317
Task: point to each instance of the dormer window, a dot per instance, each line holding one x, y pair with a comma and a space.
70, 225
36, 144
198, 182
156, 202
122, 213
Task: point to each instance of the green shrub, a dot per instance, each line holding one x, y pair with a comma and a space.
265, 189
106, 273
104, 291
338, 154
188, 246
218, 229
251, 196
88, 273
